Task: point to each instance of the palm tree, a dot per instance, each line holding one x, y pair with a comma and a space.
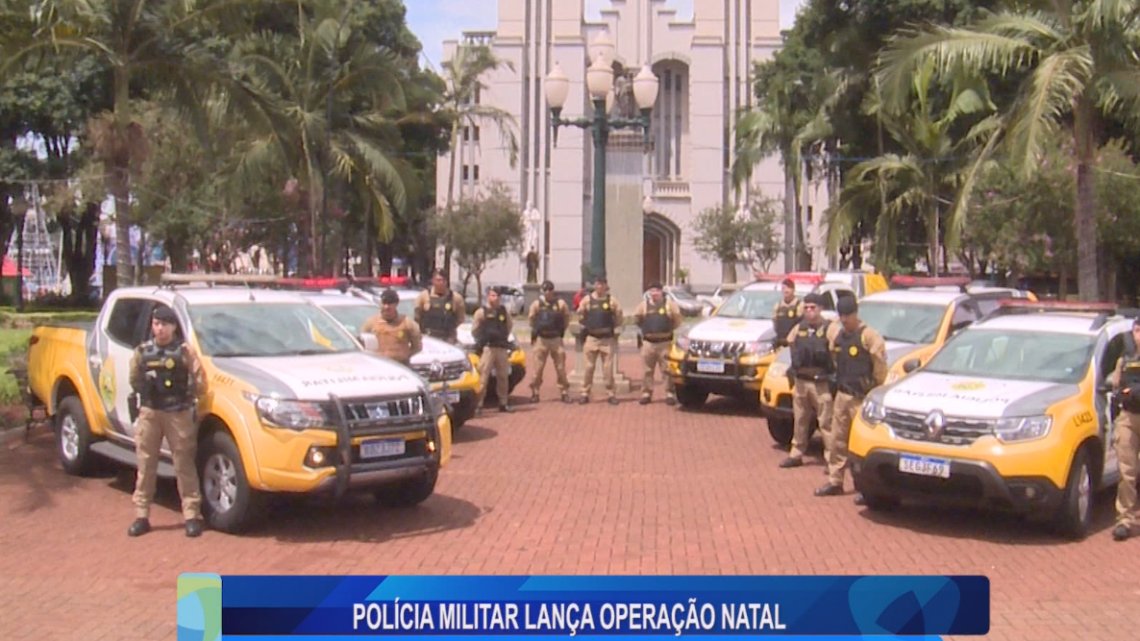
464, 76
1080, 57
139, 40
319, 106
914, 184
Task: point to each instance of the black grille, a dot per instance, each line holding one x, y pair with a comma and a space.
717, 349
451, 371
381, 415
955, 431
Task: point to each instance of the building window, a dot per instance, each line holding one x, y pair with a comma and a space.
476, 173
810, 212
466, 171
466, 134
476, 128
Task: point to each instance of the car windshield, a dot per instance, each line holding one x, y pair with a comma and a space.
750, 304
904, 322
1017, 355
681, 294
352, 316
267, 329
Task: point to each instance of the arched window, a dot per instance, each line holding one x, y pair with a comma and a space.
671, 120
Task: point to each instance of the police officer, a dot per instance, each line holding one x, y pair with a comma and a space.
397, 336
658, 318
601, 318
167, 377
788, 313
491, 328
1126, 434
859, 356
549, 317
440, 311
809, 376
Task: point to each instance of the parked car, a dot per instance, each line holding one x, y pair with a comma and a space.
690, 305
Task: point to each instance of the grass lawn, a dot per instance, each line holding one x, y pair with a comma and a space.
13, 343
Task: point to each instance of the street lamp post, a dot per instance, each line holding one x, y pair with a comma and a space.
599, 83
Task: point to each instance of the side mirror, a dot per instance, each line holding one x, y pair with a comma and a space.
911, 365
370, 343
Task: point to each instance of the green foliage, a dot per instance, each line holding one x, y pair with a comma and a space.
746, 235
482, 228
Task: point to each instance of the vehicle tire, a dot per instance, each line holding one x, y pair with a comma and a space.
73, 438
879, 502
1075, 512
229, 504
781, 430
409, 492
690, 397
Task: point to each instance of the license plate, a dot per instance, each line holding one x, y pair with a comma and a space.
385, 447
452, 397
710, 367
924, 466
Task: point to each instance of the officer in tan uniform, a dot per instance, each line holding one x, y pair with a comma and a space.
601, 318
1126, 434
167, 377
440, 311
787, 313
810, 376
549, 317
658, 318
859, 356
491, 328
398, 337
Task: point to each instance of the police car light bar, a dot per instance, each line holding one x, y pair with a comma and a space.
1057, 306
313, 283
903, 282
807, 278
218, 279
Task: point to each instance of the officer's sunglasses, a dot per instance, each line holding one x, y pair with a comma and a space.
811, 306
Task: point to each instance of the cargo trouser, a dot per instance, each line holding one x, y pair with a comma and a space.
810, 399
182, 437
835, 438
1126, 441
553, 348
653, 357
606, 348
494, 360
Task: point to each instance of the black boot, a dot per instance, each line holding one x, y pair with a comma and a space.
139, 527
194, 528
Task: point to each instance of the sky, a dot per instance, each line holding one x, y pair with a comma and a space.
434, 21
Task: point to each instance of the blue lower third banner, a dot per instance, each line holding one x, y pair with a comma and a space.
264, 608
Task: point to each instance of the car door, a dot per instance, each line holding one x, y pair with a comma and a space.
1105, 399
125, 327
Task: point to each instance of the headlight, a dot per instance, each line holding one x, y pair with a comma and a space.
294, 415
893, 376
758, 348
1022, 428
467, 366
873, 411
778, 369
437, 404
683, 343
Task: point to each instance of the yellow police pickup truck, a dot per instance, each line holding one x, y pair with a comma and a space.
441, 364
1014, 412
915, 319
293, 403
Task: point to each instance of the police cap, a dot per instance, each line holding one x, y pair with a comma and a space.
389, 297
547, 286
847, 305
814, 299
164, 314
655, 285
788, 282
600, 278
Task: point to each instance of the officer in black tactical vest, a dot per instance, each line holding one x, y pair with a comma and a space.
810, 376
440, 311
1126, 434
491, 328
658, 318
859, 355
601, 318
787, 313
166, 376
549, 317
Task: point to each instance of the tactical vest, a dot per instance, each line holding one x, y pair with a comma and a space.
810, 356
854, 370
549, 321
599, 318
785, 320
657, 325
1130, 378
493, 330
166, 378
440, 320
392, 339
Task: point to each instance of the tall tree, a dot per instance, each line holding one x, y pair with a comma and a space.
482, 228
1081, 57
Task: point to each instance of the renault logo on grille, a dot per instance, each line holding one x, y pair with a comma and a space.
934, 422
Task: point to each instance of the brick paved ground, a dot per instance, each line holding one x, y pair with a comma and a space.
549, 489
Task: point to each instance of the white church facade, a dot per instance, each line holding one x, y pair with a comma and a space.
704, 67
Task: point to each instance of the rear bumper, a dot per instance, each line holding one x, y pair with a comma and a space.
971, 483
